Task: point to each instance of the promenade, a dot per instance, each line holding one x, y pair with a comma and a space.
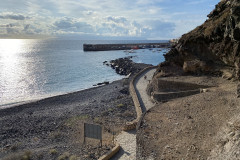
127, 140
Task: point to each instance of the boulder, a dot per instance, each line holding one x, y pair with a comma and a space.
122, 66
106, 82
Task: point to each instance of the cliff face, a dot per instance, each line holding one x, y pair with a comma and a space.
212, 46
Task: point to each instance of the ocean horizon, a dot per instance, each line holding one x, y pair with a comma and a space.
32, 69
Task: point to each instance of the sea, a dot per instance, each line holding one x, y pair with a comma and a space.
32, 69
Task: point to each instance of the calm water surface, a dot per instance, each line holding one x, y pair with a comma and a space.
33, 69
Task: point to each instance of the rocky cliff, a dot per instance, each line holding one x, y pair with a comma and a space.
212, 47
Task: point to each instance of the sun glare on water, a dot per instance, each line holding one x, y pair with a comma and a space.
10, 50
11, 46
12, 67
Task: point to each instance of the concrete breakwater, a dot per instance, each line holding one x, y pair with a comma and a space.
106, 47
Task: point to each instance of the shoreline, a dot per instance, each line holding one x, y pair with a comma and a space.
34, 100
53, 97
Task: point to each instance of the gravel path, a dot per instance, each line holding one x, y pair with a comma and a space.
127, 140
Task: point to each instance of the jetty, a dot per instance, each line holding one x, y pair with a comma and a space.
107, 47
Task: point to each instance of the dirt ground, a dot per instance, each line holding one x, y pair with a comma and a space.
200, 126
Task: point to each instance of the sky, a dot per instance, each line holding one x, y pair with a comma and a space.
102, 19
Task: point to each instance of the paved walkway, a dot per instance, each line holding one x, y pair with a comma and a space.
141, 86
127, 140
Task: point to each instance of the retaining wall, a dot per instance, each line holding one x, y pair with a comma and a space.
172, 89
160, 97
111, 153
174, 86
136, 101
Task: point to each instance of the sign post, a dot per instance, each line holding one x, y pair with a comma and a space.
93, 131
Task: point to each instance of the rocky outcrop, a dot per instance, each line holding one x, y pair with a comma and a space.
125, 66
213, 46
122, 66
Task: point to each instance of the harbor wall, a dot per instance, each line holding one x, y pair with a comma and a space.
106, 47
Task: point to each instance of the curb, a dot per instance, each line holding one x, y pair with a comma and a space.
111, 153
133, 124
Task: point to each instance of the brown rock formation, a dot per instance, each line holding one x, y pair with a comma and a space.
213, 46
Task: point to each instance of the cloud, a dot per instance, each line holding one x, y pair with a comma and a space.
157, 29
118, 26
136, 18
26, 27
8, 25
88, 13
117, 19
12, 16
67, 24
11, 28
102, 26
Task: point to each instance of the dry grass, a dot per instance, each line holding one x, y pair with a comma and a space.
120, 105
73, 121
64, 156
53, 151
55, 135
73, 157
27, 155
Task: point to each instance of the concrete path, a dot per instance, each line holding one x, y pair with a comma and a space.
141, 86
127, 140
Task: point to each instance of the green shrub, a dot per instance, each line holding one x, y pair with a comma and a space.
120, 105
64, 156
27, 155
73, 157
53, 151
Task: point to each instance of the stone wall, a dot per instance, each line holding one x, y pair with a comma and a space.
160, 97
